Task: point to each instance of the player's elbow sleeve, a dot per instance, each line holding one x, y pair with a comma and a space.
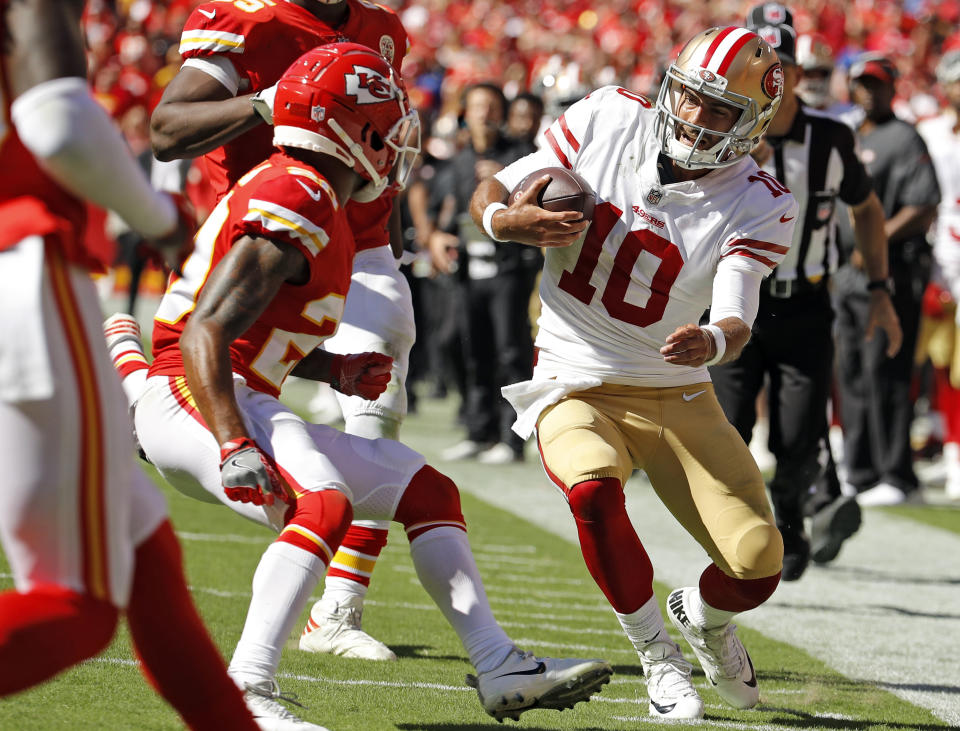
47, 120
75, 141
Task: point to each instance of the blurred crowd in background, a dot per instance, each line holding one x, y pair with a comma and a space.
559, 50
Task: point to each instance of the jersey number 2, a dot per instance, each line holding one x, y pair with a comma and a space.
577, 282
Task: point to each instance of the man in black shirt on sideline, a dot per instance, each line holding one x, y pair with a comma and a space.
792, 342
875, 400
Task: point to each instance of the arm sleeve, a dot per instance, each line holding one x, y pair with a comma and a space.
75, 141
220, 68
736, 293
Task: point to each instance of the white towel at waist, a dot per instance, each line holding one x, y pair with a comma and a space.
530, 398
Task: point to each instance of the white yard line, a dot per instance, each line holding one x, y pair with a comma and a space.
886, 611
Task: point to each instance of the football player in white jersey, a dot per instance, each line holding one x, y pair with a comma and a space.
684, 220
942, 135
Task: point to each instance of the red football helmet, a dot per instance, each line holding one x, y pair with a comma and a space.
345, 100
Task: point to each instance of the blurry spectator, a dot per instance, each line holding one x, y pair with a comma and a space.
942, 135
875, 400
524, 116
491, 282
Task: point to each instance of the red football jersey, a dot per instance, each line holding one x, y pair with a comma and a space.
284, 200
261, 38
31, 203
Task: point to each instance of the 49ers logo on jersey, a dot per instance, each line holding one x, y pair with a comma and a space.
773, 81
369, 87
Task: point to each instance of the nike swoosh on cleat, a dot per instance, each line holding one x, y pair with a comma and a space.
784, 219
663, 709
692, 396
539, 670
752, 683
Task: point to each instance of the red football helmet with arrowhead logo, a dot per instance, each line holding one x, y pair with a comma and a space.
346, 100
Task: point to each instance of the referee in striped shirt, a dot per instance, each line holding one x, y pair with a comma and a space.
792, 343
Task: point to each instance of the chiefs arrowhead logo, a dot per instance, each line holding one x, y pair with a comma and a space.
772, 82
368, 86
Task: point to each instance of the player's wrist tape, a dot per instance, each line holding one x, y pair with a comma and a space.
234, 445
488, 219
719, 341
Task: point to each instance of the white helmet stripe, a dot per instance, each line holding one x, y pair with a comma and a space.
724, 49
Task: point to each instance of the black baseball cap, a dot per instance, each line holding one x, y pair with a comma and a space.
782, 38
769, 14
874, 65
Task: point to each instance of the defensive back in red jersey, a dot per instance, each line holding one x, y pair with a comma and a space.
283, 200
31, 203
261, 38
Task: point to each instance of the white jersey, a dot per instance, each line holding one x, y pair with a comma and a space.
943, 144
648, 261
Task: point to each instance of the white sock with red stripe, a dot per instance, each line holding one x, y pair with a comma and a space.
122, 333
445, 567
282, 584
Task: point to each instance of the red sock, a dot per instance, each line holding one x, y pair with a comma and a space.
611, 549
948, 404
318, 523
735, 595
48, 629
368, 543
179, 658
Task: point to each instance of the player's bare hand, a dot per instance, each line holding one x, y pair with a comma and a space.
688, 345
443, 248
883, 316
361, 374
527, 223
248, 475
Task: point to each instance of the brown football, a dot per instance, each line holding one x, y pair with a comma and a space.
566, 191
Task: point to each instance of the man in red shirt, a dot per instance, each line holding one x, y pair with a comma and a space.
234, 54
86, 534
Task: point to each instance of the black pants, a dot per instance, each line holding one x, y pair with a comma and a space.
497, 351
875, 405
792, 349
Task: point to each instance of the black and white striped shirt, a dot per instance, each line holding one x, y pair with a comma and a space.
817, 161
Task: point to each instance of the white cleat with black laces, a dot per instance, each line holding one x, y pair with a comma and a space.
524, 681
263, 700
722, 655
669, 686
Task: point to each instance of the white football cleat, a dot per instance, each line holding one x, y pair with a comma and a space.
334, 629
669, 686
523, 681
881, 495
263, 700
722, 655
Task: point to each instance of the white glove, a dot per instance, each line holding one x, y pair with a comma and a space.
262, 103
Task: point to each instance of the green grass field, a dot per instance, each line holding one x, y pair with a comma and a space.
540, 591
